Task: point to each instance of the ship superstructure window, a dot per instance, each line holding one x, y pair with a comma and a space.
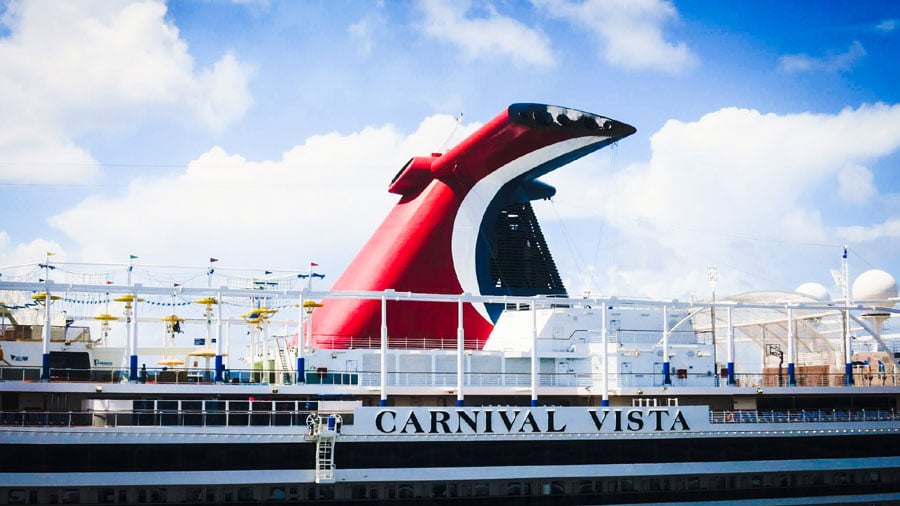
552, 488
518, 488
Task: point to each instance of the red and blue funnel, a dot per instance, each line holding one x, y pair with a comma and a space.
464, 224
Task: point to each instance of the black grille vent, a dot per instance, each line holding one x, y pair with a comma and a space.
521, 263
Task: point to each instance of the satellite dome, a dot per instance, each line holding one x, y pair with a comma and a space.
875, 285
814, 291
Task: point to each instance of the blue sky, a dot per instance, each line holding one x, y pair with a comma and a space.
264, 133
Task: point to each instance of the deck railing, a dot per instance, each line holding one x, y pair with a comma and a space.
804, 416
372, 378
300, 417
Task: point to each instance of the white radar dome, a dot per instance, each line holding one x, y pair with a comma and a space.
814, 291
875, 285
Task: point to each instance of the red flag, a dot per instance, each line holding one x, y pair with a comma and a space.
211, 259
313, 264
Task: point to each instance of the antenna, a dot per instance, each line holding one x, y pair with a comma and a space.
452, 132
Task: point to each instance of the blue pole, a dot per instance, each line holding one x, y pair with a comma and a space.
667, 376
45, 367
133, 368
220, 369
792, 379
848, 372
731, 380
301, 370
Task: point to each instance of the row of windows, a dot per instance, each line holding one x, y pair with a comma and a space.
363, 455
732, 485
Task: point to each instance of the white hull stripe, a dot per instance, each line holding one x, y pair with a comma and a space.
438, 474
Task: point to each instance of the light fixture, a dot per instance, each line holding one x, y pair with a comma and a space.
98, 388
274, 390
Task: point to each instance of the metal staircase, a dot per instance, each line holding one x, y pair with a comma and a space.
325, 431
284, 359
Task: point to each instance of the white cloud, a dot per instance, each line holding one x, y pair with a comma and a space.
831, 62
631, 31
887, 25
890, 229
735, 185
361, 31
856, 185
76, 67
485, 37
318, 202
27, 253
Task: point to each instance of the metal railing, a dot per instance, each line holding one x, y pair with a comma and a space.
154, 418
299, 418
430, 378
804, 416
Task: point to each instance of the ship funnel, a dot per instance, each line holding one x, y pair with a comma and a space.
464, 224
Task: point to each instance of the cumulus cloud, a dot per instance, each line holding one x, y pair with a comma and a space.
830, 62
736, 185
631, 32
489, 36
856, 185
27, 253
319, 201
76, 67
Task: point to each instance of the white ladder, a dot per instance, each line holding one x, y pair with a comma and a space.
281, 347
325, 460
325, 431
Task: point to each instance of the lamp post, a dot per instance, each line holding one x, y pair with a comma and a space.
712, 275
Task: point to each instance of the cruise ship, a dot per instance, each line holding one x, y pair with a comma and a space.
448, 364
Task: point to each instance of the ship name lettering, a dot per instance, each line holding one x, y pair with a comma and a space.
634, 420
469, 422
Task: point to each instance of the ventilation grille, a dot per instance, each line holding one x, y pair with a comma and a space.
521, 263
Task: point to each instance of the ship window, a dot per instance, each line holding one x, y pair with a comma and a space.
756, 481
627, 485
552, 488
479, 489
439, 490
71, 496
406, 491
17, 496
874, 477
245, 494
237, 412
518, 488
782, 480
193, 494
156, 495
276, 494
585, 487
112, 496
